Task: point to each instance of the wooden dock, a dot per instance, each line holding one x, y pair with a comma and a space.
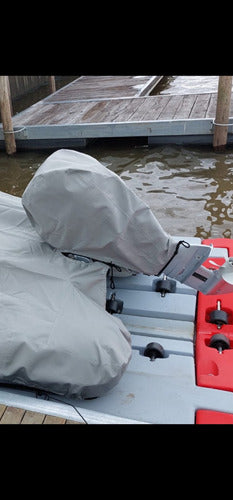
13, 415
94, 107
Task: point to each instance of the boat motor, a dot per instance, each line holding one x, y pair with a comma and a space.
100, 218
185, 266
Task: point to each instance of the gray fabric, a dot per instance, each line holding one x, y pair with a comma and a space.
78, 205
55, 333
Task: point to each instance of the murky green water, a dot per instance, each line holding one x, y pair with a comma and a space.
189, 189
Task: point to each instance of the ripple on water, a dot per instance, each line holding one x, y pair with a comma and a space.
189, 189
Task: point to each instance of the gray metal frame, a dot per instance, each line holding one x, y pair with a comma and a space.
175, 131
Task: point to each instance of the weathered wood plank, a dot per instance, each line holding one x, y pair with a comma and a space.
132, 106
51, 419
148, 109
211, 110
2, 409
170, 108
75, 114
143, 109
91, 115
33, 114
122, 110
111, 110
32, 417
68, 421
12, 415
200, 106
185, 107
93, 87
67, 105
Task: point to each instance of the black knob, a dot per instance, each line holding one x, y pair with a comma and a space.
154, 350
219, 342
114, 305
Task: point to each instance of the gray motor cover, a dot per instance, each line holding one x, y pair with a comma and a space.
78, 205
55, 332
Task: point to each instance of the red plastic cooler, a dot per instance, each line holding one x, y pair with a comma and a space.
214, 366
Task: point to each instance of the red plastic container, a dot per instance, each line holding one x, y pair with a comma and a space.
220, 243
213, 368
213, 417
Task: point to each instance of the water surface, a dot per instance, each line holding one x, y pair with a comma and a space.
189, 189
183, 84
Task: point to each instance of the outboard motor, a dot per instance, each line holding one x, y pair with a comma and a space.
79, 206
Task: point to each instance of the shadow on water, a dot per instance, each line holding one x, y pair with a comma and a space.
189, 189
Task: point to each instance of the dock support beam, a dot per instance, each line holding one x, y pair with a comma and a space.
222, 113
5, 108
52, 84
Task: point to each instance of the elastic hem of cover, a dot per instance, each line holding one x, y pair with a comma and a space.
181, 242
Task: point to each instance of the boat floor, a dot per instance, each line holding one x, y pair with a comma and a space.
163, 391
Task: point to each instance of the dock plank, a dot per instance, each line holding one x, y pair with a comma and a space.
2, 409
102, 87
128, 109
32, 418
200, 106
94, 113
107, 111
149, 109
50, 419
212, 106
185, 107
12, 415
169, 110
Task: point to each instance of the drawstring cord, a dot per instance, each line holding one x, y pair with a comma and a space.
182, 242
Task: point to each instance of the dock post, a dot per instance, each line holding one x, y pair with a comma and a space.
52, 84
222, 113
5, 108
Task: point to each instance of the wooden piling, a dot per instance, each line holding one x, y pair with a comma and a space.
52, 84
222, 113
5, 108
